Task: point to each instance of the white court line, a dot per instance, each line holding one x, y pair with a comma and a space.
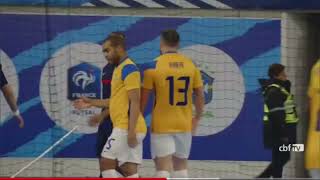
217, 4
183, 3
45, 152
150, 4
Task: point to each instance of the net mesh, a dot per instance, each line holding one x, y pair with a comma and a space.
56, 59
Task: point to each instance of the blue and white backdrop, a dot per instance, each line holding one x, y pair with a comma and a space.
176, 4
55, 58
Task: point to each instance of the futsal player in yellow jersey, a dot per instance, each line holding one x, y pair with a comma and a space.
173, 77
124, 146
313, 143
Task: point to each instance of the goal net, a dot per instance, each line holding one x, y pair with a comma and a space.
52, 59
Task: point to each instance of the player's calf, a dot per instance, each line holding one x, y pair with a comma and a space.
180, 167
130, 170
163, 166
108, 168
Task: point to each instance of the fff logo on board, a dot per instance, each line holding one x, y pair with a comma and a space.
84, 80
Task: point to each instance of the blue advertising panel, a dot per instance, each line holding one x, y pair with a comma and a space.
176, 4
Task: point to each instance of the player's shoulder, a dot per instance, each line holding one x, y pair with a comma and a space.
108, 67
316, 67
148, 66
183, 56
128, 61
189, 63
128, 67
175, 56
315, 71
315, 75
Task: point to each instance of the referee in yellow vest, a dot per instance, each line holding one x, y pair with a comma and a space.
280, 119
312, 156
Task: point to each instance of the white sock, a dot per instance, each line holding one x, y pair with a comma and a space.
134, 176
180, 174
162, 174
119, 175
314, 173
110, 173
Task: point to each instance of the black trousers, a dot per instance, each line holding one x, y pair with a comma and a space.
279, 159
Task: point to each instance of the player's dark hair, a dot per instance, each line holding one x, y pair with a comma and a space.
117, 39
118, 33
275, 70
170, 37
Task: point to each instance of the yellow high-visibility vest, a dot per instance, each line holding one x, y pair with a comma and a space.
289, 106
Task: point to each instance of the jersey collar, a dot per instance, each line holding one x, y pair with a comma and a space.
170, 52
123, 59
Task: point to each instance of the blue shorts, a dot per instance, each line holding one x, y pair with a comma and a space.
104, 131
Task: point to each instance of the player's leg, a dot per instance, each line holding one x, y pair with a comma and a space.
314, 173
129, 170
180, 158
131, 158
162, 148
104, 131
111, 151
180, 167
163, 166
108, 168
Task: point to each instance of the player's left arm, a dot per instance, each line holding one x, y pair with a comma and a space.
145, 94
132, 83
199, 104
134, 99
100, 103
199, 99
147, 89
85, 103
98, 118
10, 98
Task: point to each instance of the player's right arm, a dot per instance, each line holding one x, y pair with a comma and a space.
132, 83
84, 103
147, 89
199, 99
145, 93
10, 98
98, 118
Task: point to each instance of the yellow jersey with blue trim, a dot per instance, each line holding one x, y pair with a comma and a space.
173, 77
126, 77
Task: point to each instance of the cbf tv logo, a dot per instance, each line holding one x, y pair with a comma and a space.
84, 80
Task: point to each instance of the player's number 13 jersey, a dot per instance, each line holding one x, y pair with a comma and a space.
172, 77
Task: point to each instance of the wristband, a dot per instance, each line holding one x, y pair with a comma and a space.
16, 113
